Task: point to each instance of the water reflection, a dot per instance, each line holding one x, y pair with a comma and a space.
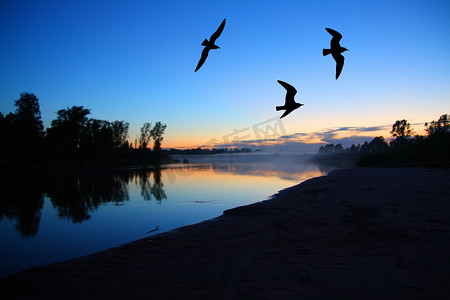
50, 217
284, 166
22, 200
74, 195
151, 188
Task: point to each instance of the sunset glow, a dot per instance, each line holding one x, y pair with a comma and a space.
135, 62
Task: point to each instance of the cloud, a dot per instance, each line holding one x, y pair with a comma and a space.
305, 141
271, 135
351, 135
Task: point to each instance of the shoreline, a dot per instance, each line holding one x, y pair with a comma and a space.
355, 233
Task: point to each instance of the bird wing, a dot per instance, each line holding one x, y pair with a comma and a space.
216, 34
290, 92
339, 58
336, 37
288, 111
202, 58
334, 33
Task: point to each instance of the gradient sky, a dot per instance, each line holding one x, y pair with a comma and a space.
135, 61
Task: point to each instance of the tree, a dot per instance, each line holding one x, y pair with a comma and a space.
378, 144
365, 148
8, 134
338, 148
157, 135
24, 128
402, 129
28, 114
67, 129
120, 133
3, 134
145, 136
328, 148
97, 136
440, 126
354, 149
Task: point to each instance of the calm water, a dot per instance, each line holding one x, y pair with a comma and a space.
54, 217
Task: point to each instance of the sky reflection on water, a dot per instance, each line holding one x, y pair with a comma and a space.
54, 217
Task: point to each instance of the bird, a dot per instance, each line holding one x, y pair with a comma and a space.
290, 104
210, 44
336, 50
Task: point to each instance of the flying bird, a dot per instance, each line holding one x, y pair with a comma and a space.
210, 44
290, 104
336, 50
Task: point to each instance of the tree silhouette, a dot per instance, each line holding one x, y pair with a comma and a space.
119, 133
145, 136
96, 136
338, 148
365, 148
432, 150
378, 144
28, 114
3, 134
157, 135
402, 129
67, 129
23, 130
8, 135
440, 126
354, 149
72, 138
328, 148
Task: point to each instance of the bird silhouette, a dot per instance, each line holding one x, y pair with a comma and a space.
336, 50
290, 104
210, 44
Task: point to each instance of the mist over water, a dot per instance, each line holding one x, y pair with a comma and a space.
51, 217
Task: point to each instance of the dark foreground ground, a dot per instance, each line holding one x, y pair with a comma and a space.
354, 234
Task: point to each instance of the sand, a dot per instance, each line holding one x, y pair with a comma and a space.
358, 233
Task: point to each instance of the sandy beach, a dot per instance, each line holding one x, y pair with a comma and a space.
358, 233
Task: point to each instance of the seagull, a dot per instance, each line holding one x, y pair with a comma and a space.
210, 44
290, 104
336, 50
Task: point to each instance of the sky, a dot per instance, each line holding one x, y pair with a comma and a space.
135, 60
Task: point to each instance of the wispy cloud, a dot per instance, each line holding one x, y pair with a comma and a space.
271, 135
310, 141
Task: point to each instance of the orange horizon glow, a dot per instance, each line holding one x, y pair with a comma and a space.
311, 138
208, 142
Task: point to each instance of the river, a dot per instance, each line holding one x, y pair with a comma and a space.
51, 217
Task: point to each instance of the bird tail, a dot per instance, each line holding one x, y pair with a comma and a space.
205, 42
279, 107
326, 51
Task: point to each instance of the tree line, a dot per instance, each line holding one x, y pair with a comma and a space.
71, 136
406, 148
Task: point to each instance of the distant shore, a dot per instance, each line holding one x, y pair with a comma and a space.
146, 161
364, 233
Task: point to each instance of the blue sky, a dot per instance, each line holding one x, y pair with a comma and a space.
135, 61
